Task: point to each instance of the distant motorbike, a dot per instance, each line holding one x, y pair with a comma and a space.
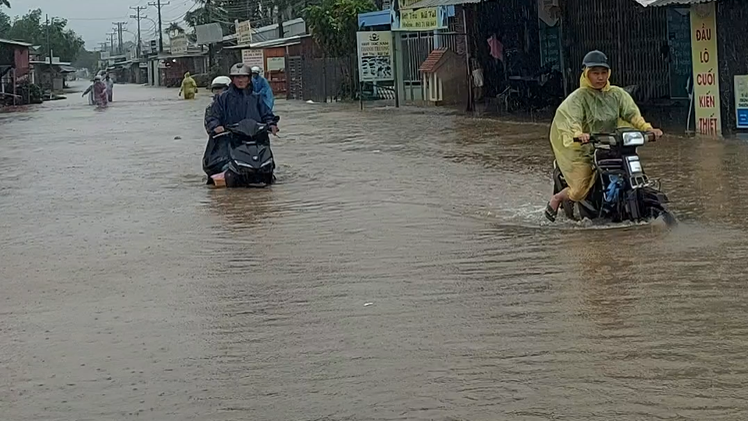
243, 153
533, 93
622, 191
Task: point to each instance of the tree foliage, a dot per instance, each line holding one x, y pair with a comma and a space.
65, 43
333, 24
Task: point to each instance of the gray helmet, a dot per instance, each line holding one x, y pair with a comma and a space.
239, 69
595, 59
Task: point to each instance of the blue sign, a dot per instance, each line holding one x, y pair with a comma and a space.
743, 118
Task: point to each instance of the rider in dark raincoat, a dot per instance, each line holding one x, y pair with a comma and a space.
235, 104
239, 103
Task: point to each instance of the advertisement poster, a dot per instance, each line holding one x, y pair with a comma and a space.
179, 45
375, 56
253, 58
741, 100
243, 33
705, 69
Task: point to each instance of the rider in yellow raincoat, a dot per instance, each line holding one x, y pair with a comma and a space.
596, 107
189, 87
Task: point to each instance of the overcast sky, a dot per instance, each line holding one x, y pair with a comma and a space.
92, 19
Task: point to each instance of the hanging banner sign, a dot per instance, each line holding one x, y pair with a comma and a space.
243, 33
375, 56
705, 69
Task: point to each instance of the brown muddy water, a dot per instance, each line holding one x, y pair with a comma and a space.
400, 270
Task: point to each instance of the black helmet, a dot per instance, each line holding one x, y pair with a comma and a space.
595, 59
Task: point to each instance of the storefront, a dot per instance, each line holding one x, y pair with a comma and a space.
718, 75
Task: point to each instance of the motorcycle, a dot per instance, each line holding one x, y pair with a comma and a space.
542, 90
622, 191
248, 159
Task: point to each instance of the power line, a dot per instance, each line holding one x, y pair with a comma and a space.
119, 38
111, 35
139, 17
158, 4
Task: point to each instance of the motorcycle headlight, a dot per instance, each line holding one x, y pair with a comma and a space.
633, 139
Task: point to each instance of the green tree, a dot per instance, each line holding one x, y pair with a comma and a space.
5, 25
64, 42
175, 28
5, 3
87, 60
333, 24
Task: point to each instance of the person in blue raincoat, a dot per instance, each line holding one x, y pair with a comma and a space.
261, 86
237, 103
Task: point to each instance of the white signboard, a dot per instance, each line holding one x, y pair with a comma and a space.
276, 64
375, 56
105, 55
243, 32
179, 45
209, 34
253, 58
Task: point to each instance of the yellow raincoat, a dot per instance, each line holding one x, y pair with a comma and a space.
588, 110
189, 87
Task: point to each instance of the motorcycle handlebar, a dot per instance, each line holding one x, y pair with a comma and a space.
596, 137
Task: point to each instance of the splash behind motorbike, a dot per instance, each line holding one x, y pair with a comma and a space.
622, 192
250, 159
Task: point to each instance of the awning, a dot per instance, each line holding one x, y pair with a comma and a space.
273, 43
436, 3
187, 55
11, 42
658, 3
67, 69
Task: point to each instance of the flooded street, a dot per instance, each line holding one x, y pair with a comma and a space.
401, 269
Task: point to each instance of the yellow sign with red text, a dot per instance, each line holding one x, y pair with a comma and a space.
705, 69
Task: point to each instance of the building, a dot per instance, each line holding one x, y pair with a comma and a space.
14, 67
709, 34
51, 76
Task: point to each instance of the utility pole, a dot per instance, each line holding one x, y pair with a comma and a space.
119, 36
111, 42
49, 51
208, 9
137, 16
159, 4
49, 46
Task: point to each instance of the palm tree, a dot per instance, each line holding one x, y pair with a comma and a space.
173, 28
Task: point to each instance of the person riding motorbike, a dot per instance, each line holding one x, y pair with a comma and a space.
217, 87
235, 104
595, 107
239, 103
261, 87
216, 151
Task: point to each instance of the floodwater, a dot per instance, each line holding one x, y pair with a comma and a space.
399, 270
